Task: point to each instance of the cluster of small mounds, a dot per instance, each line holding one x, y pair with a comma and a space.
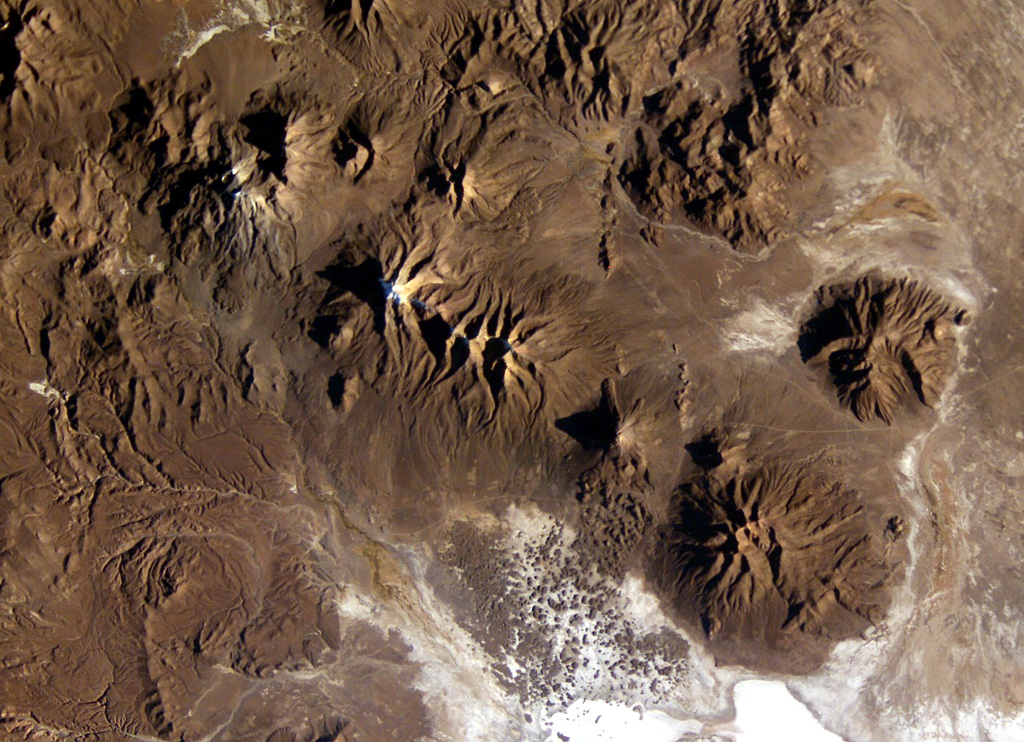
722, 155
615, 516
614, 492
558, 628
887, 343
773, 561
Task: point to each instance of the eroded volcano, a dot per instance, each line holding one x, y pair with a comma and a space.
773, 562
887, 344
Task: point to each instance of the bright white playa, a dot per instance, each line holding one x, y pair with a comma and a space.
599, 721
765, 712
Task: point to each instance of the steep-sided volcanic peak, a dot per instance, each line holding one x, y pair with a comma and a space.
785, 531
885, 342
421, 309
779, 556
432, 346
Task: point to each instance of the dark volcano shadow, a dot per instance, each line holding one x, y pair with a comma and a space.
364, 281
268, 132
823, 328
705, 451
592, 429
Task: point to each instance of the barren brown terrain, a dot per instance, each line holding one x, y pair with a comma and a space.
402, 370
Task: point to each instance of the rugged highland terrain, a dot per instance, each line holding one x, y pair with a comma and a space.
400, 370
